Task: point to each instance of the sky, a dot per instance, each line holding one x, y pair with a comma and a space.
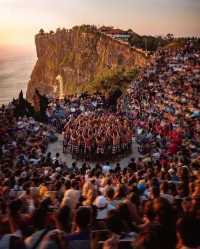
20, 20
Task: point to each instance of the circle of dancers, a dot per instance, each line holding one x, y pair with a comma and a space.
97, 135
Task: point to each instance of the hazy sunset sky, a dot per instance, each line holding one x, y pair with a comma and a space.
20, 20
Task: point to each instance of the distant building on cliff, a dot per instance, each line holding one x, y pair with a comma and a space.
117, 34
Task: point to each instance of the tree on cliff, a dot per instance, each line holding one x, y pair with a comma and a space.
23, 107
170, 37
150, 43
41, 32
41, 104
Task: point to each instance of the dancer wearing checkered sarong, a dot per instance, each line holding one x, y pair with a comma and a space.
124, 141
79, 148
129, 138
100, 143
87, 146
73, 143
65, 142
115, 143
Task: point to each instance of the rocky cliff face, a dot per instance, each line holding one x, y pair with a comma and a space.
79, 56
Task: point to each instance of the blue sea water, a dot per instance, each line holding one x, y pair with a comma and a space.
16, 66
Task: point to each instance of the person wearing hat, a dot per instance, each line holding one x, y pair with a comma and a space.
103, 207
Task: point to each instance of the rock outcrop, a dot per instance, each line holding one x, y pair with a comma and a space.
78, 55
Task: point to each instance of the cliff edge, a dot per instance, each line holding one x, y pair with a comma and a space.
72, 59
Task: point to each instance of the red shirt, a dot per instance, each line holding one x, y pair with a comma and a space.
172, 148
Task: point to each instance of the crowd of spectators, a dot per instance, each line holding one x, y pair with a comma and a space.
22, 139
61, 111
150, 203
164, 104
142, 205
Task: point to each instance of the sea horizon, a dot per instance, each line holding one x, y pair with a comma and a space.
16, 65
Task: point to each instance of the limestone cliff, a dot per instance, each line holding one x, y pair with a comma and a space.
79, 55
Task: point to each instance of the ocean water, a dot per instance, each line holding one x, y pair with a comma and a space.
16, 66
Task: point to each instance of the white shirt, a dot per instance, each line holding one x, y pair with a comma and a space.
106, 168
103, 213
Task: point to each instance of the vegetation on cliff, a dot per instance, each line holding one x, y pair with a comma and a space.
152, 43
108, 81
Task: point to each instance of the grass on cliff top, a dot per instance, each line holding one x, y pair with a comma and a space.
106, 82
